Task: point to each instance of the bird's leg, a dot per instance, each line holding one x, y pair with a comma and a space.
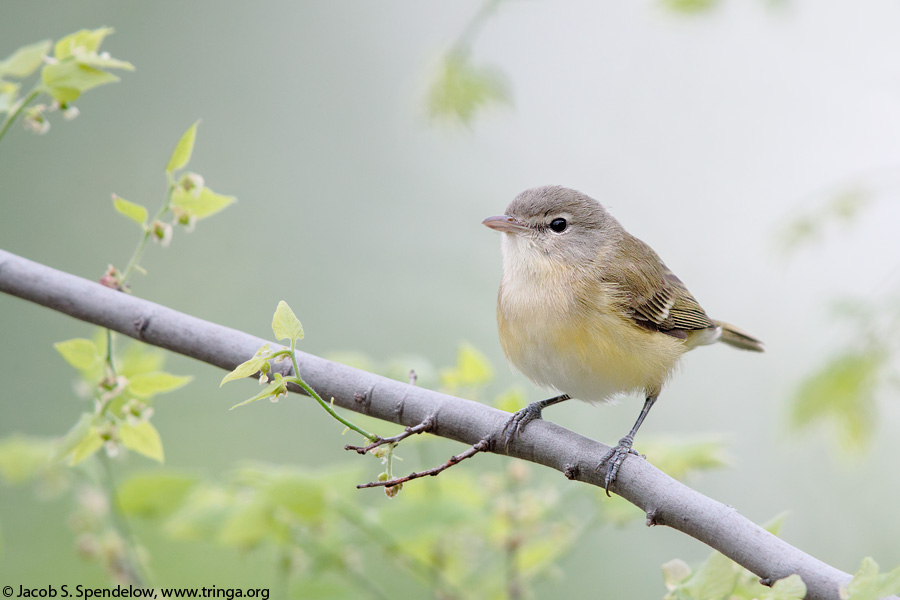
616, 456
523, 417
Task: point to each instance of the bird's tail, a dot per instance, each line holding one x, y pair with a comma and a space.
738, 338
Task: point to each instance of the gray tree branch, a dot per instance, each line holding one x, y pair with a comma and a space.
664, 500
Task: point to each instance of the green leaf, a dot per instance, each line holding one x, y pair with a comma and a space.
869, 584
201, 515
775, 524
145, 385
80, 42
66, 81
103, 62
678, 457
285, 324
472, 369
154, 494
79, 352
183, 150
24, 457
840, 209
325, 586
690, 7
143, 439
674, 572
842, 393
511, 400
81, 441
245, 369
788, 588
26, 60
91, 442
275, 387
135, 212
78, 432
536, 555
139, 358
204, 203
618, 511
300, 494
8, 95
462, 89
250, 525
715, 578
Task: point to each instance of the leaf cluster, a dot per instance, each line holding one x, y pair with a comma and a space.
75, 66
122, 401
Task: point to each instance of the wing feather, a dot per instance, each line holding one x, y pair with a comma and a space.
652, 295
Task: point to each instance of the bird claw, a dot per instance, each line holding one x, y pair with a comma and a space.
615, 457
518, 421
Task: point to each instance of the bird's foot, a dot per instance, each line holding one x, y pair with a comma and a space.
615, 457
518, 421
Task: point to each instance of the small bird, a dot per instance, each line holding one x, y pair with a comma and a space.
590, 311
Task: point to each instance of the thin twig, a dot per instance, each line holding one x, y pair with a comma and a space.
479, 447
427, 571
20, 106
422, 427
128, 564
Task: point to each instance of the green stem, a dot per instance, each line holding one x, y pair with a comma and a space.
109, 351
427, 572
299, 381
389, 461
355, 576
15, 114
470, 31
142, 243
129, 563
284, 573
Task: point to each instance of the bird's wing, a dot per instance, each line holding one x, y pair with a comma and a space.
652, 296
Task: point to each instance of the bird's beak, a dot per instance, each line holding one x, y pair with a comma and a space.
505, 224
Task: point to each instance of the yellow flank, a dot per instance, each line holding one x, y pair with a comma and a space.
579, 343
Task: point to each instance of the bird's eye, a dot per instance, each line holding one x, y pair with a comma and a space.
558, 225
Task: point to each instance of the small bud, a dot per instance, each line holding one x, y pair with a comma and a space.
188, 221
35, 120
92, 500
86, 546
393, 490
113, 449
112, 278
70, 113
263, 378
382, 477
192, 182
136, 412
162, 232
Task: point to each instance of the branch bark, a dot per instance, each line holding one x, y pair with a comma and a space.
664, 500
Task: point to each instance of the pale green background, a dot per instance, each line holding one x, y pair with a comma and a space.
701, 135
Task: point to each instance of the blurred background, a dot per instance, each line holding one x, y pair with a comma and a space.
755, 145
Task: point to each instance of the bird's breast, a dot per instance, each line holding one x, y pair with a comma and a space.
566, 330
